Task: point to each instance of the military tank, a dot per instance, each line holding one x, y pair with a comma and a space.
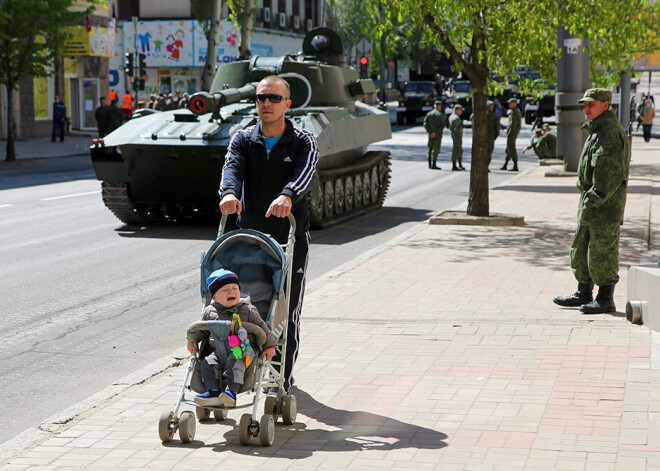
167, 165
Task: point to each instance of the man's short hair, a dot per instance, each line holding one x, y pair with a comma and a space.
276, 78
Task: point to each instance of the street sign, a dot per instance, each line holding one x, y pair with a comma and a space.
365, 47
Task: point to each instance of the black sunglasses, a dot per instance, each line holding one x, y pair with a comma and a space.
261, 97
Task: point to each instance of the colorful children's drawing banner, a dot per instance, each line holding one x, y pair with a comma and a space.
179, 43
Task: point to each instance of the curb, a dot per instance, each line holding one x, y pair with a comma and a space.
59, 421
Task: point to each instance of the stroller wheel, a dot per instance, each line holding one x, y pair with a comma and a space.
270, 407
220, 414
165, 431
202, 414
267, 430
244, 433
187, 426
289, 409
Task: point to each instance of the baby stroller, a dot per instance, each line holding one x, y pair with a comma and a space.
264, 269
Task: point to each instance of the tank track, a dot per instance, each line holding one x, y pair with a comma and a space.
118, 200
343, 193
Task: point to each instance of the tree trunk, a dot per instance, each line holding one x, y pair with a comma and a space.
11, 124
478, 200
246, 18
212, 47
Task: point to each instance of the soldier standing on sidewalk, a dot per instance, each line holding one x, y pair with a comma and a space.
493, 123
434, 122
515, 122
602, 181
456, 128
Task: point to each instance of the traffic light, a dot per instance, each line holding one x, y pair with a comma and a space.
141, 84
364, 67
142, 63
128, 63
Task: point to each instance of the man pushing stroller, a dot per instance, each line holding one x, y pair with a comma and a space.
227, 305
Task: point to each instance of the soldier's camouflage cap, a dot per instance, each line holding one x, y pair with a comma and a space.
545, 126
458, 107
490, 103
512, 100
596, 94
437, 102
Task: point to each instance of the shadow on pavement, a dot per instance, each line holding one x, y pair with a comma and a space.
352, 431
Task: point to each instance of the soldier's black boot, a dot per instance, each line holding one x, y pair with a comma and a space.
515, 167
504, 166
583, 295
435, 167
453, 166
603, 303
430, 165
460, 165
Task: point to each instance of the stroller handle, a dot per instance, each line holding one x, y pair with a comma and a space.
292, 225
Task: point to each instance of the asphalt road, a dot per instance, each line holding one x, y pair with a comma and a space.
85, 300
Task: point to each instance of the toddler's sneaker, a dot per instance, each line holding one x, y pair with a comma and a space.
209, 398
227, 398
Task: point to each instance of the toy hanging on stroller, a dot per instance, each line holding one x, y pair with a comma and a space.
264, 269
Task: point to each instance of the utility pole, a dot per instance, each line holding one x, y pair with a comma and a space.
572, 82
624, 100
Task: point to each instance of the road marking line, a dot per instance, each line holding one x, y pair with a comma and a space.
5, 205
71, 196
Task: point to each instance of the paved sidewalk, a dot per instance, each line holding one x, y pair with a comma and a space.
42, 148
440, 350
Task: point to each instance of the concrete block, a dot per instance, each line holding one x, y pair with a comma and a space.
643, 296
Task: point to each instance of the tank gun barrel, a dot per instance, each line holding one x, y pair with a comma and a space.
204, 102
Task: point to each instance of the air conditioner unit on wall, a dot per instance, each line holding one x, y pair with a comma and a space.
265, 15
310, 24
281, 17
296, 22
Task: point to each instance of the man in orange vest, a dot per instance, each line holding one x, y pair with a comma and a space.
112, 95
127, 105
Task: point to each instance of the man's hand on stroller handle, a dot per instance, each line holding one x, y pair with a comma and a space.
280, 207
192, 348
268, 353
230, 205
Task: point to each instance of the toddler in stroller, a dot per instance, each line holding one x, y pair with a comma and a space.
227, 305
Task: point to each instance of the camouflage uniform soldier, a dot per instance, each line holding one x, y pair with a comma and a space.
602, 181
456, 128
515, 121
544, 144
434, 122
493, 123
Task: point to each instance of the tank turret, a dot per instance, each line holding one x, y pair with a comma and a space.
167, 165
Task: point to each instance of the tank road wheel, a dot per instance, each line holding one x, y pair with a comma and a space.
328, 200
165, 431
244, 433
349, 194
267, 430
289, 410
358, 191
220, 414
270, 406
366, 188
202, 414
187, 427
339, 196
316, 201
375, 184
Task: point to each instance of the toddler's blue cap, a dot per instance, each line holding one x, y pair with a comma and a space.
219, 278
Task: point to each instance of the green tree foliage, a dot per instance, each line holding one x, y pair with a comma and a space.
31, 40
485, 37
